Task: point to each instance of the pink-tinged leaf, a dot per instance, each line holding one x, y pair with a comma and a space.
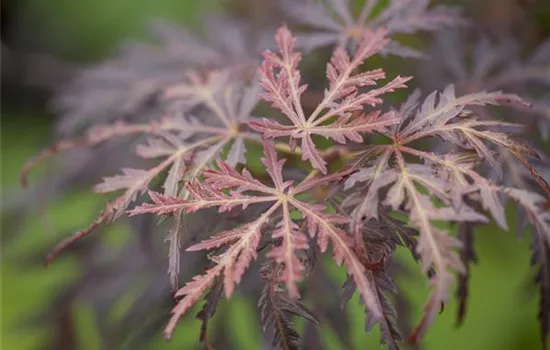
204, 197
280, 78
439, 109
228, 177
463, 213
273, 165
162, 204
221, 239
171, 138
321, 224
312, 182
351, 129
484, 152
310, 153
134, 181
292, 240
396, 194
233, 263
191, 292
271, 129
370, 98
436, 249
245, 253
448, 117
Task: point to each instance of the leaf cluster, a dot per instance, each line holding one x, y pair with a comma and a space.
421, 175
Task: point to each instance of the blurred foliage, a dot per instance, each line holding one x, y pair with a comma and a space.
501, 313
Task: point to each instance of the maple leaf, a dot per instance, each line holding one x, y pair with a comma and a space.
185, 145
280, 77
451, 118
334, 23
227, 189
443, 178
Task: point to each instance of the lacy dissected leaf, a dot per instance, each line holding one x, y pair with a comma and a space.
452, 119
440, 109
225, 102
443, 178
275, 307
185, 144
435, 246
333, 22
227, 189
342, 102
448, 117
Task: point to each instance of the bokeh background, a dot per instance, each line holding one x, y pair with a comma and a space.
38, 310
